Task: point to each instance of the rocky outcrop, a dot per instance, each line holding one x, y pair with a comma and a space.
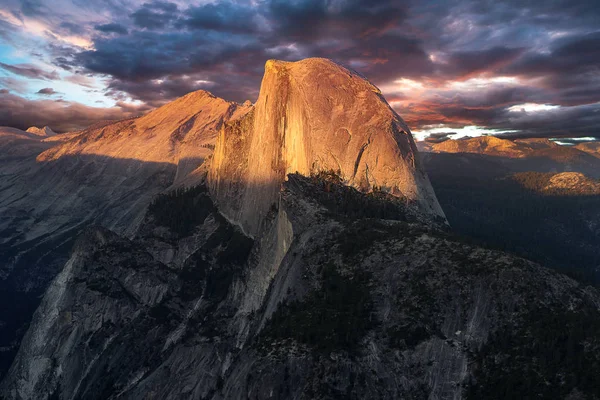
181, 133
363, 305
314, 115
564, 183
44, 132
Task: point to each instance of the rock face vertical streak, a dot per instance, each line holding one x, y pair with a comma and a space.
266, 166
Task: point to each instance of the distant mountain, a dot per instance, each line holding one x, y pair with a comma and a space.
564, 183
592, 148
521, 155
489, 145
45, 131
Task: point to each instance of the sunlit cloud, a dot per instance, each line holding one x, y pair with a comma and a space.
465, 131
532, 107
43, 30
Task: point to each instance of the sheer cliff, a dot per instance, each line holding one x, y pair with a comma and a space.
315, 115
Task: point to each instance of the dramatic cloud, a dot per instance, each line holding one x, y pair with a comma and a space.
439, 137
510, 67
112, 28
155, 15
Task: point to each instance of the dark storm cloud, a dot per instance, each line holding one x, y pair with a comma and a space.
228, 38
155, 92
439, 137
112, 28
384, 58
572, 55
72, 28
148, 55
155, 15
571, 69
225, 17
574, 121
47, 91
310, 19
30, 71
465, 63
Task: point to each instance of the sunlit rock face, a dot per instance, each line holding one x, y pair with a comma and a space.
520, 155
314, 115
45, 131
181, 133
574, 183
489, 145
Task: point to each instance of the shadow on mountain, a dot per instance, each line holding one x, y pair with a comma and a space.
45, 205
496, 202
166, 305
42, 214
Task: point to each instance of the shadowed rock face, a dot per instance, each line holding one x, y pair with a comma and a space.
359, 307
314, 115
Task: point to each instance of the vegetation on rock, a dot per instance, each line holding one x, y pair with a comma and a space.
335, 316
182, 209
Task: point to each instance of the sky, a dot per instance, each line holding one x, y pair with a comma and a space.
518, 68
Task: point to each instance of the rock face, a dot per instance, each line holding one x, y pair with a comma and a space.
311, 116
573, 182
53, 187
364, 304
